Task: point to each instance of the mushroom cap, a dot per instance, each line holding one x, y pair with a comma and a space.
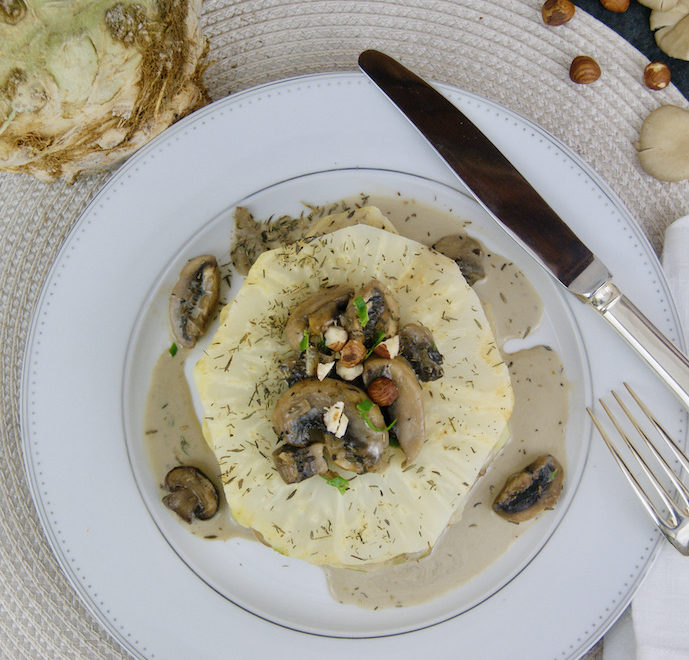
384, 514
418, 347
192, 493
193, 299
299, 412
535, 488
670, 21
466, 252
383, 313
315, 312
407, 408
663, 147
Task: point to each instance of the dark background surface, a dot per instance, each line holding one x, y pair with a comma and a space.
633, 26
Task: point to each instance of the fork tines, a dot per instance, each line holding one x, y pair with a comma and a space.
673, 517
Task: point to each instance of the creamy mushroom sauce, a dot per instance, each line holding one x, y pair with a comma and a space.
538, 424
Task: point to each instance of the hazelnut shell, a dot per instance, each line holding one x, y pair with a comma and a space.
584, 70
557, 12
383, 391
657, 75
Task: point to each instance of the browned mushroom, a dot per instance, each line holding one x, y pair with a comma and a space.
192, 493
371, 311
193, 299
314, 314
466, 252
298, 463
536, 488
418, 347
407, 408
298, 419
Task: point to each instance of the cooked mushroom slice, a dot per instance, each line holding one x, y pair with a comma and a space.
193, 299
418, 347
407, 409
527, 493
466, 252
192, 493
379, 308
298, 420
316, 313
298, 463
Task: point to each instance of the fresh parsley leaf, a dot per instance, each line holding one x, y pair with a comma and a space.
363, 408
337, 482
361, 310
173, 349
373, 427
304, 343
379, 338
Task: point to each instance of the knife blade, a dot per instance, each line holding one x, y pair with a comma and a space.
507, 196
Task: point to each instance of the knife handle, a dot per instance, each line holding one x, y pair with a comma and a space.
661, 355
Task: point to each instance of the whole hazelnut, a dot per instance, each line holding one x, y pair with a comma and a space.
382, 391
617, 6
557, 12
657, 75
584, 70
352, 353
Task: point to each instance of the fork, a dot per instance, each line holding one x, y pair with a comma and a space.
674, 521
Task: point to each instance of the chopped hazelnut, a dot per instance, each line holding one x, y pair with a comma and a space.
349, 373
389, 348
335, 337
352, 353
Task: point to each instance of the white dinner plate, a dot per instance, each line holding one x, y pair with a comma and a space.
101, 323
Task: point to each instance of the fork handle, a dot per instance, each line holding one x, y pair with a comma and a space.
656, 349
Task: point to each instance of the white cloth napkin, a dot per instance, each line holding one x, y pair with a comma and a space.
658, 628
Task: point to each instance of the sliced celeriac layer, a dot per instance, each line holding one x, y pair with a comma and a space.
403, 509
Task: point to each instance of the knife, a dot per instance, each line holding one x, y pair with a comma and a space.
510, 199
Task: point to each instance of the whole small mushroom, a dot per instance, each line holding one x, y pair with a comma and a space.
535, 488
663, 146
192, 493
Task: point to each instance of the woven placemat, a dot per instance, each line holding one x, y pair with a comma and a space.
502, 51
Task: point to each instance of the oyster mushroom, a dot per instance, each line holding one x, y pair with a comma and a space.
381, 314
527, 493
298, 421
418, 347
663, 146
663, 5
407, 408
193, 299
671, 26
298, 463
466, 252
192, 493
316, 313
